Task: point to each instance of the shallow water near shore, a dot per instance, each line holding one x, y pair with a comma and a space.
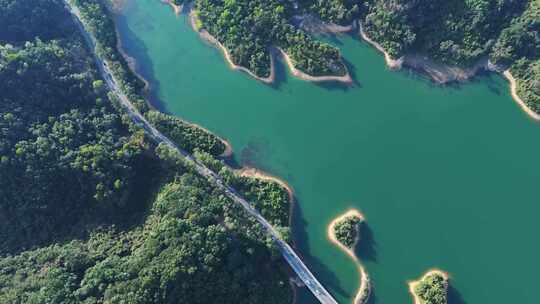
446, 176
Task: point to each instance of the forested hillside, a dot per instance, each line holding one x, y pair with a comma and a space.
250, 28
461, 32
91, 211
454, 32
342, 12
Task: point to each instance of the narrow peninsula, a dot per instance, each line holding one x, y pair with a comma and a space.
432, 288
458, 41
344, 232
250, 39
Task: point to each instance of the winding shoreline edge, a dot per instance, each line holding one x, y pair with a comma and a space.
412, 284
346, 79
414, 61
245, 171
229, 151
259, 174
390, 62
423, 64
132, 65
177, 8
513, 91
364, 290
206, 36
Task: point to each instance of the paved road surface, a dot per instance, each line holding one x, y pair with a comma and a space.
288, 253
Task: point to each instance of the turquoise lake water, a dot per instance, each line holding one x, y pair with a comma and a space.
446, 176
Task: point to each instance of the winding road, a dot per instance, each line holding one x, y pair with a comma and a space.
288, 253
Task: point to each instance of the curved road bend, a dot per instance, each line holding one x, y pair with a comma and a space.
288, 253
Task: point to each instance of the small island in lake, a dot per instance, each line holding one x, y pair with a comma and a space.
432, 288
344, 232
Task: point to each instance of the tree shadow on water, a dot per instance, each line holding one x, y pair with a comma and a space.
365, 248
492, 85
332, 38
280, 71
134, 47
341, 86
372, 297
321, 271
454, 297
353, 72
255, 152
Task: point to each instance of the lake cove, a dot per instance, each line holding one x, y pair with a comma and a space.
446, 176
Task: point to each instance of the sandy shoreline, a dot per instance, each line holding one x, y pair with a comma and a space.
412, 284
365, 284
392, 63
259, 174
205, 35
251, 172
513, 90
211, 39
177, 8
228, 148
299, 74
438, 72
443, 74
132, 65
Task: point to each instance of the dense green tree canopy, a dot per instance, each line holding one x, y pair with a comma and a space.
342, 12
249, 28
62, 143
454, 32
19, 24
346, 230
186, 135
91, 211
432, 289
